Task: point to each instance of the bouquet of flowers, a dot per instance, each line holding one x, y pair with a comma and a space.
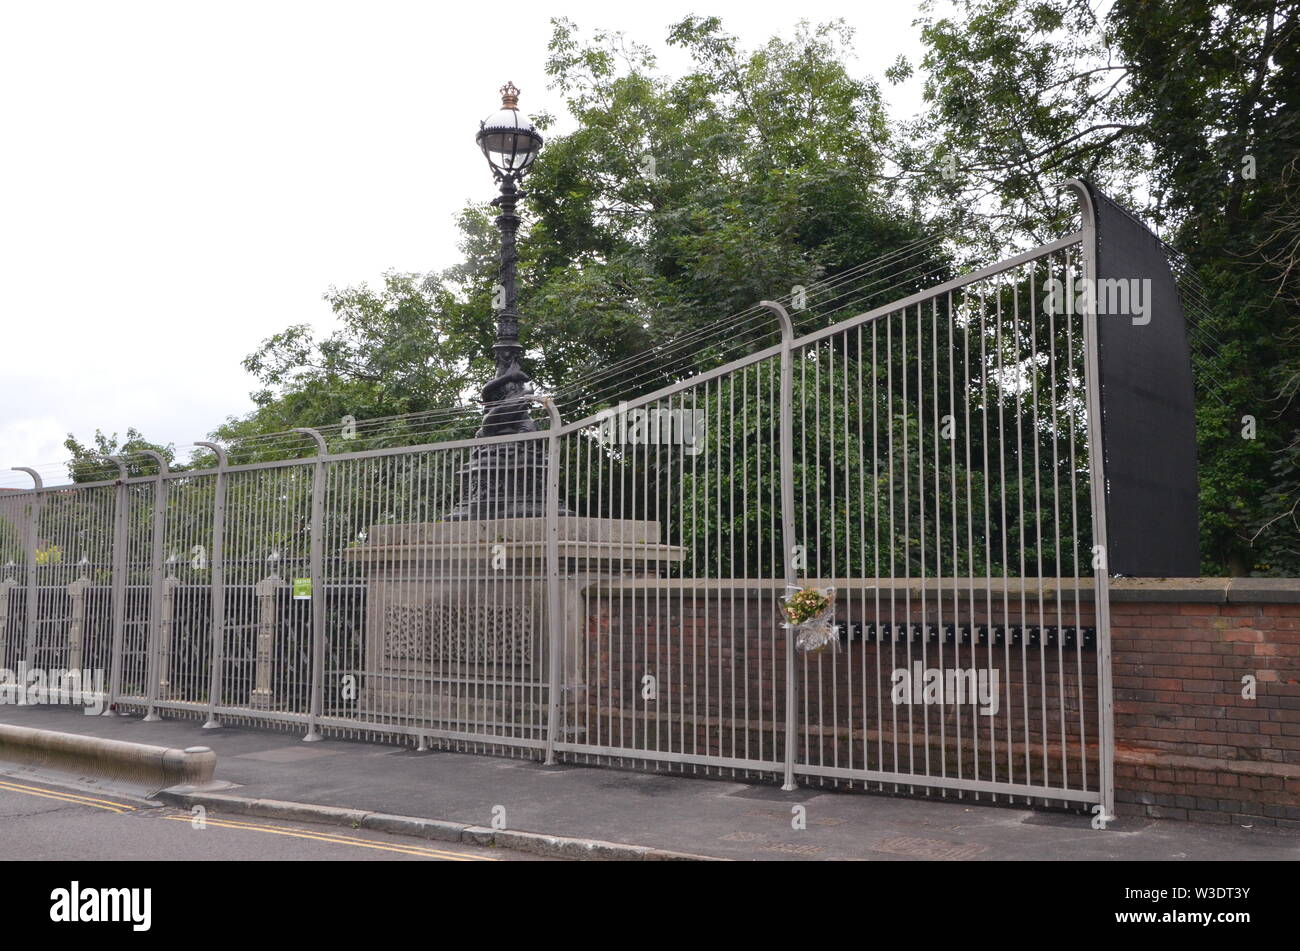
810, 612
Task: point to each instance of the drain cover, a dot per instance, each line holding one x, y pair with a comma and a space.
928, 848
741, 837
793, 849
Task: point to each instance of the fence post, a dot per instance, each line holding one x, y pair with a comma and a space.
317, 585
1097, 479
6, 587
262, 696
152, 660
77, 622
217, 590
167, 631
118, 593
787, 521
33, 516
554, 614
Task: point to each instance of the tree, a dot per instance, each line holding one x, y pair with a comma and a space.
393, 355
1219, 88
87, 462
678, 202
1185, 110
1020, 96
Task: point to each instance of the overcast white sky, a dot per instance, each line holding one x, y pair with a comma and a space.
179, 181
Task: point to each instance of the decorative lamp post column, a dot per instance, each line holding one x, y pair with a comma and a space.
506, 480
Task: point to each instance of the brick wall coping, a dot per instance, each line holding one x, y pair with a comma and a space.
1165, 590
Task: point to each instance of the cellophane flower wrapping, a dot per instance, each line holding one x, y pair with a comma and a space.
810, 612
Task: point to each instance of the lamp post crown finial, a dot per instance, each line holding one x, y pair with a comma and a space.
510, 96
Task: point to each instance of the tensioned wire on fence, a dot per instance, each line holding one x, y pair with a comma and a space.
907, 266
678, 357
845, 292
747, 330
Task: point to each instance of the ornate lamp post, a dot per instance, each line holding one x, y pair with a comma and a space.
506, 480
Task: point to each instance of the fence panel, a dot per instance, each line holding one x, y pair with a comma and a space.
266, 638
436, 624
137, 592
675, 537
71, 627
183, 642
942, 488
16, 511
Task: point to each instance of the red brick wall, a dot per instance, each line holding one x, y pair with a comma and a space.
1189, 745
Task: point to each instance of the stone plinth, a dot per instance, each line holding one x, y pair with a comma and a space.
457, 621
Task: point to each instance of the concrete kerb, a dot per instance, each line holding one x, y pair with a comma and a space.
554, 846
138, 764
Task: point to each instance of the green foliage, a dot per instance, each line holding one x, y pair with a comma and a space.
959, 499
89, 465
392, 354
12, 546
680, 201
1160, 102
1020, 96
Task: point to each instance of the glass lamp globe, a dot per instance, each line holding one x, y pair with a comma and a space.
507, 138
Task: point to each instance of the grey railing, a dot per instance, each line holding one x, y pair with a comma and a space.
932, 461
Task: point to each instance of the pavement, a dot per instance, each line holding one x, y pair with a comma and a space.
719, 818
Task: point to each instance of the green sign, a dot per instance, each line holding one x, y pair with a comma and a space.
302, 589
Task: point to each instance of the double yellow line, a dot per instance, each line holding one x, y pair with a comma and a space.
339, 839
105, 804
334, 838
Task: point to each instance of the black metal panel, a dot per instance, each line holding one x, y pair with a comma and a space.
1147, 404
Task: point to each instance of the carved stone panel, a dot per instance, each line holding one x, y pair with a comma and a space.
453, 632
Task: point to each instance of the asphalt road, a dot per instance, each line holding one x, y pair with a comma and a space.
41, 821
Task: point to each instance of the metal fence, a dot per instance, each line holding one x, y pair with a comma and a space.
931, 461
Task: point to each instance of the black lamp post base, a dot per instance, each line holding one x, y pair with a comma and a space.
504, 480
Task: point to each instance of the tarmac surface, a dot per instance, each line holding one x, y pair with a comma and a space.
41, 820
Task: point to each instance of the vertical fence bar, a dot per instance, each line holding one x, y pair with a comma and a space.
317, 597
1097, 478
152, 658
217, 588
118, 586
787, 520
33, 517
554, 615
